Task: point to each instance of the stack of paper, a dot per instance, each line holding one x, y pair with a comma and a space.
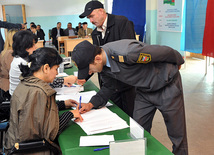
101, 120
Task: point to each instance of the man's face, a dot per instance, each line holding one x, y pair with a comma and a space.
69, 26
85, 26
95, 67
59, 25
38, 27
97, 17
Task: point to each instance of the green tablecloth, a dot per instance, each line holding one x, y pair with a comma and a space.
70, 137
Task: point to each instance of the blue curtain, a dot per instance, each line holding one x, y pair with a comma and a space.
193, 25
134, 10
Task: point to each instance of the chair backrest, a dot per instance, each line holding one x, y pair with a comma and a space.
4, 110
33, 147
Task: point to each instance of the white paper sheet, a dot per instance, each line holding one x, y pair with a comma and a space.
74, 89
62, 74
100, 140
86, 97
101, 120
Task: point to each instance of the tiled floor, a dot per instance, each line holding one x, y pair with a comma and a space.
199, 104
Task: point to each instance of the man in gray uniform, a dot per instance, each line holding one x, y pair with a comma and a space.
152, 69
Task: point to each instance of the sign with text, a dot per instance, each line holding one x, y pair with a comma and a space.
169, 15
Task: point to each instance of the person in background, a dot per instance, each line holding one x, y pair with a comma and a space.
55, 33
152, 69
36, 116
40, 33
84, 32
33, 29
8, 26
5, 61
69, 31
78, 27
31, 23
110, 28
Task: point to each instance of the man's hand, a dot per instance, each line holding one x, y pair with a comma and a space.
77, 115
81, 81
70, 103
85, 107
69, 80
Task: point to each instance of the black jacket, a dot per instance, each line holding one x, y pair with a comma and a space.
54, 33
118, 27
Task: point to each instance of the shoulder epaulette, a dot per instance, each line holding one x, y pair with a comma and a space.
119, 58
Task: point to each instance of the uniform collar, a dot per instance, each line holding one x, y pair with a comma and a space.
113, 65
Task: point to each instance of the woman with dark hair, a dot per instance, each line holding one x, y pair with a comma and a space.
23, 45
34, 112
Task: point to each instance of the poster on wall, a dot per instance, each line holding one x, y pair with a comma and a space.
169, 15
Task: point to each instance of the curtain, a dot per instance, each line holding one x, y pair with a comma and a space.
134, 10
208, 41
193, 25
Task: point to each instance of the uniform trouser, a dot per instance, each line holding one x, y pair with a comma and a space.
169, 101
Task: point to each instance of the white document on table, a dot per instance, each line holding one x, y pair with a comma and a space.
74, 89
99, 140
62, 74
101, 120
86, 97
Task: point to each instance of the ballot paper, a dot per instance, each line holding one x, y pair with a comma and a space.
99, 140
74, 89
101, 120
86, 96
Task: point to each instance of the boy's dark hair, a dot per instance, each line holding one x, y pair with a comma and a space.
40, 57
34, 26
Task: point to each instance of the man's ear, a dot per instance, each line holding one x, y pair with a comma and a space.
46, 67
98, 58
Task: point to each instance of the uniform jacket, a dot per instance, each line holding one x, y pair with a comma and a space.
81, 32
33, 112
150, 67
5, 62
118, 27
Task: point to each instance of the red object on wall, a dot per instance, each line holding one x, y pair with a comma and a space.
208, 40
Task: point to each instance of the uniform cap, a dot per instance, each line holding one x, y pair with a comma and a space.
82, 55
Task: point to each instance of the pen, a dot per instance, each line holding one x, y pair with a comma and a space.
99, 149
80, 102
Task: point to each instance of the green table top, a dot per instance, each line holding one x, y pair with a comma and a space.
70, 137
